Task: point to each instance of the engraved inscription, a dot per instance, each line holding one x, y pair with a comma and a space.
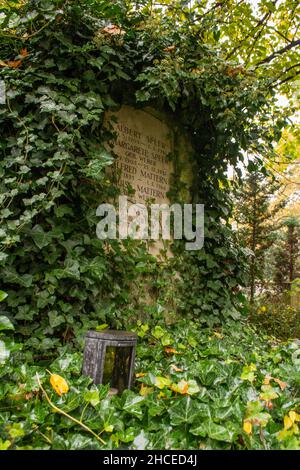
142, 146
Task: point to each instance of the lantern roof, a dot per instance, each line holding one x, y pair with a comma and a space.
112, 335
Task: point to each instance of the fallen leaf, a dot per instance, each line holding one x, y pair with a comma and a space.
14, 64
247, 426
144, 391
175, 368
267, 380
294, 416
113, 30
24, 52
59, 384
169, 48
218, 335
281, 384
269, 405
171, 351
287, 422
182, 387
161, 382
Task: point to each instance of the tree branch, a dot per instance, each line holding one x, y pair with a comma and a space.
287, 79
281, 51
283, 73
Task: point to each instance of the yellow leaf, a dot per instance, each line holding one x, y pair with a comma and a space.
283, 434
288, 423
247, 426
109, 428
292, 416
144, 391
267, 380
218, 335
140, 374
182, 387
59, 384
297, 418
161, 382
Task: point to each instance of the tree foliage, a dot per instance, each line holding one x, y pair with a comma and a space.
195, 388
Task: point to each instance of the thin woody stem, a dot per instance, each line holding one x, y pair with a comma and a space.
58, 410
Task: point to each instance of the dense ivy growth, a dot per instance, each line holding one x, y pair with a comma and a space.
64, 64
195, 388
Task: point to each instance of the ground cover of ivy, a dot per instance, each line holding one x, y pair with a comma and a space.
195, 388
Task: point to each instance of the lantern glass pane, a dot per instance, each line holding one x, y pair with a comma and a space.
116, 367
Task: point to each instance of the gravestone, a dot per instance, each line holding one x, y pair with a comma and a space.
143, 145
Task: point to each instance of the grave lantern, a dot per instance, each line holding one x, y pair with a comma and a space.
109, 358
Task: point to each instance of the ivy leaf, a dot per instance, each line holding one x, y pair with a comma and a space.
132, 404
248, 373
162, 382
5, 323
3, 295
55, 319
184, 411
92, 397
4, 352
59, 384
40, 237
215, 431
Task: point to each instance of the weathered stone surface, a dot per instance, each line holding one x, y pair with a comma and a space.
143, 145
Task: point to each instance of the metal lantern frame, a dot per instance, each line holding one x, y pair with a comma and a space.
96, 344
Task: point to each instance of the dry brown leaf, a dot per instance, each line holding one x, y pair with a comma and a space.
24, 52
14, 64
267, 380
113, 30
177, 369
171, 351
281, 384
169, 49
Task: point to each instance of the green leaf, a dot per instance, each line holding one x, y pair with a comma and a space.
248, 373
5, 323
102, 327
185, 410
40, 237
3, 295
226, 433
92, 397
132, 404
